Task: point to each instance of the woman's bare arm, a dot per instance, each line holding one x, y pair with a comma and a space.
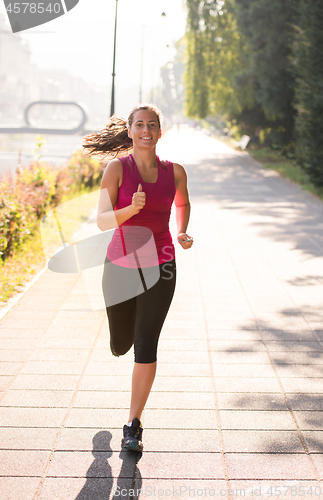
183, 206
107, 217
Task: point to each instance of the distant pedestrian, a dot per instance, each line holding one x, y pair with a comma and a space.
136, 196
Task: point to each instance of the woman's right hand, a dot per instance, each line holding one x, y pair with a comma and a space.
138, 200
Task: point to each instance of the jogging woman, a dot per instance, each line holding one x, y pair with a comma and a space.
137, 192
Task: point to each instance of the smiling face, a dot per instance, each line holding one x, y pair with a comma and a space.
145, 130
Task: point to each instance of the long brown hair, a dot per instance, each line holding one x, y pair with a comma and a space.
113, 138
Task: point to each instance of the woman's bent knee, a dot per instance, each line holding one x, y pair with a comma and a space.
119, 350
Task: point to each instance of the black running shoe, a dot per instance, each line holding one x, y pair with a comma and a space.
132, 436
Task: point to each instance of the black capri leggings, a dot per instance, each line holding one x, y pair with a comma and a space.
137, 321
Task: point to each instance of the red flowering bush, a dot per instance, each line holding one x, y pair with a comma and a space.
15, 219
85, 171
36, 189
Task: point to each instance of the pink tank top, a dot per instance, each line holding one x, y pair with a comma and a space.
144, 240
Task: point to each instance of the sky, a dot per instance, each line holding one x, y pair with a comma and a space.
81, 41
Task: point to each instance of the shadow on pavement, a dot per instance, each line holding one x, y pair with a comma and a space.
99, 481
239, 184
129, 481
298, 360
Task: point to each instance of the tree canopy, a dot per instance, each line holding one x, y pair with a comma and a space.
259, 64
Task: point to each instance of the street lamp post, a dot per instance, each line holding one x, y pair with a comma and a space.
114, 61
163, 16
141, 61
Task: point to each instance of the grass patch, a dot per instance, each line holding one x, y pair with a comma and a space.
16, 271
286, 168
71, 214
267, 155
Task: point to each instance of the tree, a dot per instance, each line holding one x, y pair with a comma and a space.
238, 62
267, 28
172, 79
308, 71
196, 77
215, 56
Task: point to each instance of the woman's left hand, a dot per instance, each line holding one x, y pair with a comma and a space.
185, 240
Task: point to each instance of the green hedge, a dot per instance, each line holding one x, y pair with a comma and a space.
34, 190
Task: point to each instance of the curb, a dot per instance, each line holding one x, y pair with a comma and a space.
14, 300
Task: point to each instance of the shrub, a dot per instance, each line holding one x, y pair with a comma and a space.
16, 220
85, 171
36, 189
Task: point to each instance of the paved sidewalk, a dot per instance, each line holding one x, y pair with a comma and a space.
236, 408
